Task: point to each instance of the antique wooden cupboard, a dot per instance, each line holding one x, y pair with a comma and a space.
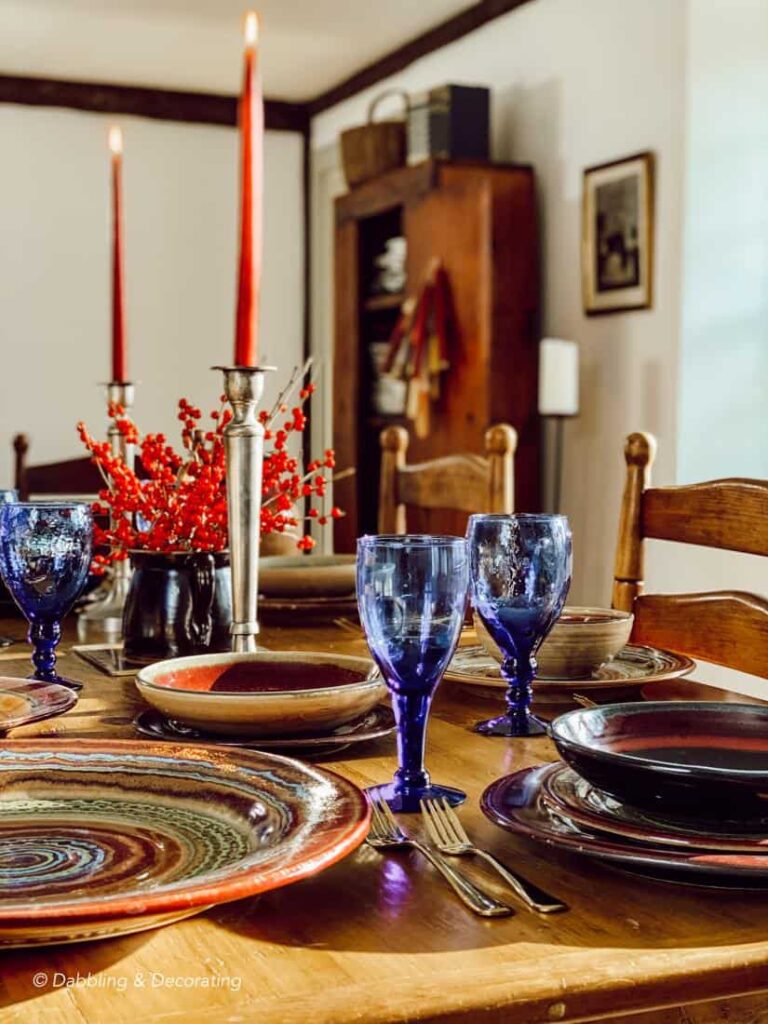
480, 221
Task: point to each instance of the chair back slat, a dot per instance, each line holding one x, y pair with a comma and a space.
71, 478
730, 514
456, 482
728, 627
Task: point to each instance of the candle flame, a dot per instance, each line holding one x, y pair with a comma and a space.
116, 140
251, 28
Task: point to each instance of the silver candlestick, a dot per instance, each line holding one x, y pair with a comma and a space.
244, 451
107, 609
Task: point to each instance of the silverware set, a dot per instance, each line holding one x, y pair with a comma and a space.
451, 840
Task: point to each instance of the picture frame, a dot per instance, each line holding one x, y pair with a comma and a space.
618, 235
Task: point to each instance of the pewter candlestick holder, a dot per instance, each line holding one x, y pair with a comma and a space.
106, 611
244, 452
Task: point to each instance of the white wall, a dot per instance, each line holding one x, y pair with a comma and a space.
180, 220
576, 84
723, 420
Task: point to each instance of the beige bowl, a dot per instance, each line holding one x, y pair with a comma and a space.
580, 642
286, 693
307, 576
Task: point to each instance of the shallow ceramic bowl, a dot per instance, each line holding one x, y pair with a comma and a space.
697, 758
263, 694
307, 576
580, 641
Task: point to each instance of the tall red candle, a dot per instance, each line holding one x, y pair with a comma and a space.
119, 374
251, 182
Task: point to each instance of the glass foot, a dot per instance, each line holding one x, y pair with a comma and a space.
506, 725
71, 684
408, 801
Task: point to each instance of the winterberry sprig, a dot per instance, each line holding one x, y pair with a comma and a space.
178, 502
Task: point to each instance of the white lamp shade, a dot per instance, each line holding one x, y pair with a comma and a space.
558, 377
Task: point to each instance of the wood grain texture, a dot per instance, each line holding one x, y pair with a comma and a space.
405, 185
462, 483
158, 104
394, 445
70, 477
730, 514
381, 940
479, 221
346, 370
724, 627
639, 453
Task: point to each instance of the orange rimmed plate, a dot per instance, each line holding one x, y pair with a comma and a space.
101, 838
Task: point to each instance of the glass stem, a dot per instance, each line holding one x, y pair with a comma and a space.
411, 711
519, 674
44, 636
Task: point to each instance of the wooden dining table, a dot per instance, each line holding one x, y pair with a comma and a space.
380, 938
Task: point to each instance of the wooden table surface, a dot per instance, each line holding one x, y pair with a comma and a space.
382, 939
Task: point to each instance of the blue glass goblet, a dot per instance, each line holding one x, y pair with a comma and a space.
45, 554
412, 592
520, 573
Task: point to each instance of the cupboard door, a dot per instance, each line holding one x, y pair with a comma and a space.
453, 224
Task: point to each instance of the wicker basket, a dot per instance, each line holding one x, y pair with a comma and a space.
375, 147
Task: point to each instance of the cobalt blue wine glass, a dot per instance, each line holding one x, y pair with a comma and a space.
412, 593
520, 573
45, 554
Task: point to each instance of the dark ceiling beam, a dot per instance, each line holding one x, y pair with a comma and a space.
161, 104
449, 31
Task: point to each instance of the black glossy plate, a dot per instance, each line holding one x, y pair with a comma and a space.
696, 758
375, 724
516, 804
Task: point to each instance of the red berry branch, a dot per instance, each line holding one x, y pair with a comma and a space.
178, 502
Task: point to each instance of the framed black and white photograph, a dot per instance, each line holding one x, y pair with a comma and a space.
617, 240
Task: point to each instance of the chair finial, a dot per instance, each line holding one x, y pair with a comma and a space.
394, 439
501, 439
640, 449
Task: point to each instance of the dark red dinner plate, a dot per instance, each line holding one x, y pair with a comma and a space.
697, 758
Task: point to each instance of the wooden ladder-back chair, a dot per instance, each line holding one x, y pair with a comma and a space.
73, 477
727, 628
459, 483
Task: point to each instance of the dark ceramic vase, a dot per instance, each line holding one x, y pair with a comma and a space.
178, 604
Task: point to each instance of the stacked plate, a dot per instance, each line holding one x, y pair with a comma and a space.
673, 790
632, 668
306, 702
320, 587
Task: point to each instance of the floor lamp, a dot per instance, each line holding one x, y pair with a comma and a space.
558, 395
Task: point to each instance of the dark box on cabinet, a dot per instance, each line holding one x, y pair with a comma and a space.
451, 122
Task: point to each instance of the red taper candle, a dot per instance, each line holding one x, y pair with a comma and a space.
119, 374
251, 185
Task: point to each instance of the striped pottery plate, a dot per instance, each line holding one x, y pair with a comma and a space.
101, 838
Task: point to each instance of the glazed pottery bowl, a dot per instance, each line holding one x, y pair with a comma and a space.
307, 576
580, 641
696, 758
263, 694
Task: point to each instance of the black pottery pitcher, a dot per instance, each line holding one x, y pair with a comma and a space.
177, 604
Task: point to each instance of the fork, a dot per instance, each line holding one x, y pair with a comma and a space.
448, 834
385, 832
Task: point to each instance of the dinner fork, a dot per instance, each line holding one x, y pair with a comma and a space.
385, 832
448, 835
